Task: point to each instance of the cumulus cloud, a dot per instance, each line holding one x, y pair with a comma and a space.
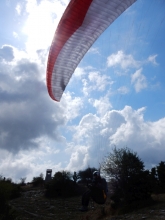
79, 72
140, 135
71, 110
93, 138
126, 127
102, 105
6, 53
123, 90
79, 156
29, 163
25, 117
139, 80
100, 81
127, 61
26, 111
122, 60
96, 82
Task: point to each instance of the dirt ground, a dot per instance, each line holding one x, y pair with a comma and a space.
33, 205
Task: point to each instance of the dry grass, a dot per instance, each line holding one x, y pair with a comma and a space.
33, 205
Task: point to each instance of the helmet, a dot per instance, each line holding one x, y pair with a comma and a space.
96, 173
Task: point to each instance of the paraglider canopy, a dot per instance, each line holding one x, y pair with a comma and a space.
81, 24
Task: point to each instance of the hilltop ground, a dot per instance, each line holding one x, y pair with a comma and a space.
33, 205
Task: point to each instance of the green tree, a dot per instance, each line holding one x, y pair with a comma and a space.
62, 175
154, 180
161, 176
128, 178
38, 181
61, 185
8, 190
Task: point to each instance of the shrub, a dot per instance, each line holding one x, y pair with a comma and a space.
38, 181
8, 190
61, 185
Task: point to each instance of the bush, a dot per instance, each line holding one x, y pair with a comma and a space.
161, 176
61, 185
8, 190
38, 181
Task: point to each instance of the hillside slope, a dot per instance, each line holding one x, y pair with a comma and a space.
33, 205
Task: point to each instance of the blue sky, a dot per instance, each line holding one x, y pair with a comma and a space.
115, 96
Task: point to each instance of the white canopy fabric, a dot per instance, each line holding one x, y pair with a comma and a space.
81, 24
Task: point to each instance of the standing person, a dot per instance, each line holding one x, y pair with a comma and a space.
97, 191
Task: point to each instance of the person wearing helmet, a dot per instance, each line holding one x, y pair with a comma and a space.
97, 191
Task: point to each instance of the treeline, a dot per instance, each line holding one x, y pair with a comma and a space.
125, 172
157, 175
127, 178
65, 183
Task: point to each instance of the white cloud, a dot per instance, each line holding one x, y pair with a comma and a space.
132, 125
19, 58
121, 128
99, 81
79, 157
6, 53
102, 105
92, 139
93, 50
111, 121
139, 80
26, 111
122, 60
18, 9
79, 72
71, 106
96, 82
84, 131
123, 90
152, 59
29, 163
